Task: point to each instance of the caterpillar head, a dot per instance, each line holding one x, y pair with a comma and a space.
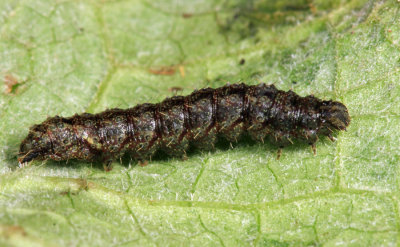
36, 146
335, 115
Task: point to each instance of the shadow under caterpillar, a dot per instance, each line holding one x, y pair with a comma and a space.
197, 119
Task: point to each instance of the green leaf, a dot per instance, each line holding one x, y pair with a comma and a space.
66, 57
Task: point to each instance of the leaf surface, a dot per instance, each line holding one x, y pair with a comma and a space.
66, 57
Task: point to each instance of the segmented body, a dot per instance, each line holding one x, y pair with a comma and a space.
197, 119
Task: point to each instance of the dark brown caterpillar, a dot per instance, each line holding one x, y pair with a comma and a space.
230, 111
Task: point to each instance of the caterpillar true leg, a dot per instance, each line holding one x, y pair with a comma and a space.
143, 163
107, 165
314, 149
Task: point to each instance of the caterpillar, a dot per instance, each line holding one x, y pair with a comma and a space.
261, 111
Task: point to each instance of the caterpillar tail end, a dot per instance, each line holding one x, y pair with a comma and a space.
24, 158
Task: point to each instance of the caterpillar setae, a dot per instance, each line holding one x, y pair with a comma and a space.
261, 111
